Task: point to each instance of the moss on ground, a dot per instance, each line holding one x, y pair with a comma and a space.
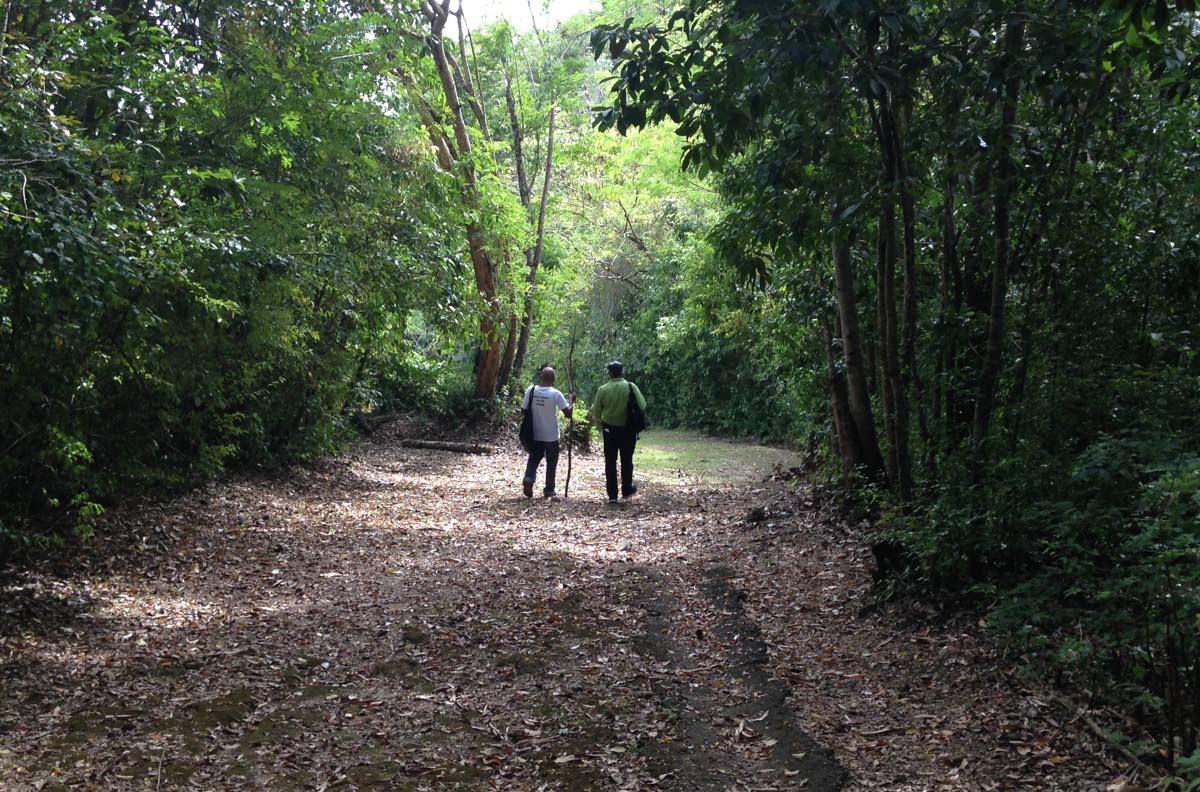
690, 458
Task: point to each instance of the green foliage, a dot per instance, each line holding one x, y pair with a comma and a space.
1041, 459
213, 252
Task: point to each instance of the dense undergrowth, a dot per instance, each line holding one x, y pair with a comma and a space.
215, 245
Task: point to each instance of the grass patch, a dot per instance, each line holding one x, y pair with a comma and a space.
683, 458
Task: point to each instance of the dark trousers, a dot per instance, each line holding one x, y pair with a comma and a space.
618, 440
550, 452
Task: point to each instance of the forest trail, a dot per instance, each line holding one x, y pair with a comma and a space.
404, 619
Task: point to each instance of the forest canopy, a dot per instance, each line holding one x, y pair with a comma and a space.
950, 249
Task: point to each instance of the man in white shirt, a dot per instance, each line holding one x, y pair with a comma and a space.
545, 401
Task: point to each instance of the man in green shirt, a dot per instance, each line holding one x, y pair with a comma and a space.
609, 412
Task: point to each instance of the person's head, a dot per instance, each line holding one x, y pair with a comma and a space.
616, 369
547, 376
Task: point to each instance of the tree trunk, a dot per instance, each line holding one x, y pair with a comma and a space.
510, 350
531, 279
844, 440
464, 75
895, 379
485, 271
899, 177
571, 420
856, 378
985, 396
518, 143
912, 375
947, 329
882, 320
872, 380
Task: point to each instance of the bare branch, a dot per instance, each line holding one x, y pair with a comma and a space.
629, 233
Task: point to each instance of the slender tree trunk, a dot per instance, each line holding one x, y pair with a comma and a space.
5, 25
895, 391
856, 379
899, 177
464, 74
510, 351
872, 380
912, 375
571, 420
883, 333
518, 140
845, 441
523, 344
947, 334
985, 396
518, 143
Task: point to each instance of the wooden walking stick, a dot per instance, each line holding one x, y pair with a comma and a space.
571, 420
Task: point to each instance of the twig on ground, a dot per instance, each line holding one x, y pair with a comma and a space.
446, 445
1081, 714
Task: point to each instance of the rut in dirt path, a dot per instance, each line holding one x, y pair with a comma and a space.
401, 619
704, 760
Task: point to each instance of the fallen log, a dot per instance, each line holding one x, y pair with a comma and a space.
445, 445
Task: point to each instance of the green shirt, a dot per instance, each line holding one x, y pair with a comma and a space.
611, 402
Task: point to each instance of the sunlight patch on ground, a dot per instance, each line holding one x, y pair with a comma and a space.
683, 458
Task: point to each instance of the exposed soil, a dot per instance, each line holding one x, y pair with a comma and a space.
404, 619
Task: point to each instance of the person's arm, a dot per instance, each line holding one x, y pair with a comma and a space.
564, 405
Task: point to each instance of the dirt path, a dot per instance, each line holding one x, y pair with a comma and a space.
403, 619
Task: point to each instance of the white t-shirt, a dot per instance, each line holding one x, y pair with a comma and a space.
546, 403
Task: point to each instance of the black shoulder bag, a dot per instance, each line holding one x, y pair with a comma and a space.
635, 419
525, 435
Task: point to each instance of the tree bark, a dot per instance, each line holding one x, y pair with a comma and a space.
856, 379
912, 375
518, 143
510, 351
465, 75
531, 279
485, 271
872, 380
985, 396
947, 327
882, 320
845, 441
903, 364
526, 195
899, 177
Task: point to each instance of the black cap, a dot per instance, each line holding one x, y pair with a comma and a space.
616, 368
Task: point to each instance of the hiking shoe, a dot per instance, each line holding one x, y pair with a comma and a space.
527, 486
613, 502
549, 496
631, 493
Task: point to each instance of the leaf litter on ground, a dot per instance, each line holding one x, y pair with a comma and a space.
403, 618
